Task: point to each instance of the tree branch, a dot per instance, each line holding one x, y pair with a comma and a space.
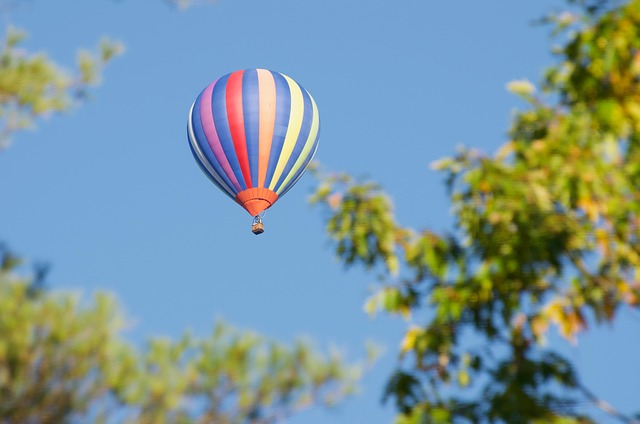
605, 406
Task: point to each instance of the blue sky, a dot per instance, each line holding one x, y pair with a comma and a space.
110, 195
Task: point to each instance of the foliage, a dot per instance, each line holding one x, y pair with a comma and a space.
32, 86
55, 357
546, 235
63, 360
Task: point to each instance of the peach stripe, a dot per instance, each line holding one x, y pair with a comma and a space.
267, 95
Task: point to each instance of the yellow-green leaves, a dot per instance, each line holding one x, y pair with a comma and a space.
522, 88
233, 376
57, 358
568, 318
32, 85
546, 237
90, 64
63, 360
362, 223
391, 299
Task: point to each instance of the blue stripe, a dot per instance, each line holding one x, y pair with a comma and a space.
204, 169
251, 111
201, 139
305, 129
283, 112
219, 111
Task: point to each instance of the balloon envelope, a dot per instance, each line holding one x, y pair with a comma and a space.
253, 133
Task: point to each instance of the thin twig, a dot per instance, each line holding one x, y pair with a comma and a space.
606, 407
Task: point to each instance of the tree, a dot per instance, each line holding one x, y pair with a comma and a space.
33, 86
546, 235
63, 360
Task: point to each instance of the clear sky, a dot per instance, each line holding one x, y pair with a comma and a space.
111, 196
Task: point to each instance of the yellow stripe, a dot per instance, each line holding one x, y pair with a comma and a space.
293, 130
306, 151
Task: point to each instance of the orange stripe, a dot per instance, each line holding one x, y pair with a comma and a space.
267, 95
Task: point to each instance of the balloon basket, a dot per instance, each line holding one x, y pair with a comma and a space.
257, 227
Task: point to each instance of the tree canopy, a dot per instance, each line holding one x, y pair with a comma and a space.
545, 236
32, 85
65, 360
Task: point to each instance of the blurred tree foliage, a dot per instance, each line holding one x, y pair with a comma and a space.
547, 235
65, 361
33, 86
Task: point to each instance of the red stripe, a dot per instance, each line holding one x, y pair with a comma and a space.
235, 115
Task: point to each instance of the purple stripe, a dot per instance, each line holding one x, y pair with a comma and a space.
210, 132
200, 140
223, 129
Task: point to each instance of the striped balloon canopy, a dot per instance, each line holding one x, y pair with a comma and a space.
253, 133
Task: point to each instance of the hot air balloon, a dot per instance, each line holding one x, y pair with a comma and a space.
253, 133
